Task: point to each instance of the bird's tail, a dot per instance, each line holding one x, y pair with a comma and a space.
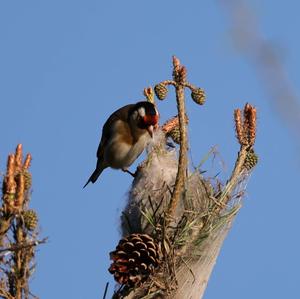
93, 178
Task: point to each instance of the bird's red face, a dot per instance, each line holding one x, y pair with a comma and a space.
150, 120
148, 116
151, 123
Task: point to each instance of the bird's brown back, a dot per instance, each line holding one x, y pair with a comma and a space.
121, 114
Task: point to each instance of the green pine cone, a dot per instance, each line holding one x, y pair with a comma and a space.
161, 91
27, 177
30, 219
198, 96
251, 160
175, 135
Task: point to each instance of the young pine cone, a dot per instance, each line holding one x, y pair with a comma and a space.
134, 259
175, 134
30, 219
28, 180
198, 96
161, 91
251, 160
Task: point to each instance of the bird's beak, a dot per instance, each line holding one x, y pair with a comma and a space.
150, 130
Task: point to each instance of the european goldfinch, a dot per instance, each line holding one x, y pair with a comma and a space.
125, 135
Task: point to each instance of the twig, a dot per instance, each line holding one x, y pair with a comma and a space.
235, 176
105, 291
190, 270
4, 294
179, 74
17, 224
21, 246
246, 134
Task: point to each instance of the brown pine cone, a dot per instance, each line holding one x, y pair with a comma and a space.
134, 259
161, 91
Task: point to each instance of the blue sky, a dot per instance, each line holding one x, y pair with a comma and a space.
66, 65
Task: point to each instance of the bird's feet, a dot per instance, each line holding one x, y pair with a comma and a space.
131, 173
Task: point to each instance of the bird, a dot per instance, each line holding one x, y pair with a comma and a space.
125, 135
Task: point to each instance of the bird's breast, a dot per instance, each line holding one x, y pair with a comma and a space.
121, 152
137, 148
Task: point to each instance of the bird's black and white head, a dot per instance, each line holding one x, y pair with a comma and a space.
144, 116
